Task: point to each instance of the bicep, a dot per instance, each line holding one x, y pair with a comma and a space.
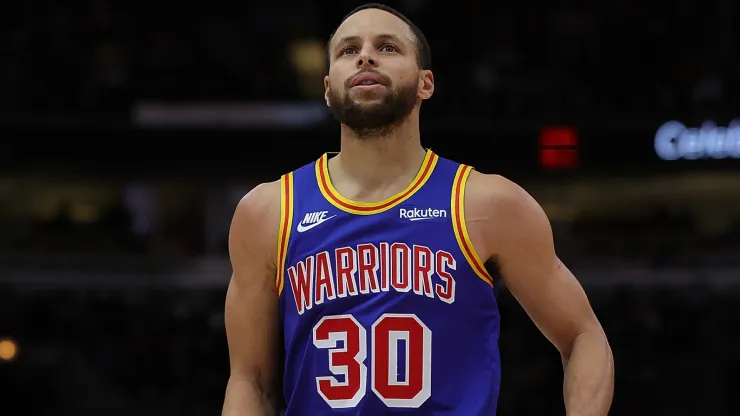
251, 309
251, 329
531, 270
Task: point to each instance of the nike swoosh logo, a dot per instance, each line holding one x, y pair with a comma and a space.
302, 228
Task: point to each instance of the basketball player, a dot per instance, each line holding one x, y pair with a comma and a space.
376, 265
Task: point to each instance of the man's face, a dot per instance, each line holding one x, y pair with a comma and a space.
374, 80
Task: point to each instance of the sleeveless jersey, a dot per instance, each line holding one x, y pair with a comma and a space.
386, 308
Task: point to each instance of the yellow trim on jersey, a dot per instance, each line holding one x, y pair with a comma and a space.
286, 224
461, 228
369, 208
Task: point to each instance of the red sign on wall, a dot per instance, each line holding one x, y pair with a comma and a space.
558, 148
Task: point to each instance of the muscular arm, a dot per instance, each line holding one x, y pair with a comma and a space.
251, 312
516, 233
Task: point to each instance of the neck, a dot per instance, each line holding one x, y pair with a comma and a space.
379, 161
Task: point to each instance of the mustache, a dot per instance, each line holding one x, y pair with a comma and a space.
385, 78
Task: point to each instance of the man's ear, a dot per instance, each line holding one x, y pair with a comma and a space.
426, 84
326, 90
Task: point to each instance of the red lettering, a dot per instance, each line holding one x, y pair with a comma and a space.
346, 269
401, 267
384, 280
302, 283
367, 269
446, 291
324, 279
417, 387
423, 270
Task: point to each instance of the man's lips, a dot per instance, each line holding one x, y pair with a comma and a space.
367, 79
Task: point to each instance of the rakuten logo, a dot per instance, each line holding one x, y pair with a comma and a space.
675, 141
416, 214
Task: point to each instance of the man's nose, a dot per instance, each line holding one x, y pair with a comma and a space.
366, 59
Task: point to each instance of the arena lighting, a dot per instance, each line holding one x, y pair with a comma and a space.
8, 350
674, 141
558, 147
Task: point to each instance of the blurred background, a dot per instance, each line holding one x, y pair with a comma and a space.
131, 129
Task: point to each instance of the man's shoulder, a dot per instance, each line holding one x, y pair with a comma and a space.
492, 189
503, 212
262, 199
258, 212
499, 199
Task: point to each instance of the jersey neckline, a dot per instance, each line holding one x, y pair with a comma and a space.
369, 208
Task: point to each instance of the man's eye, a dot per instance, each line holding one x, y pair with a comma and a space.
388, 48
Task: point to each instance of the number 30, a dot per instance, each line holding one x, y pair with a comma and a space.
348, 360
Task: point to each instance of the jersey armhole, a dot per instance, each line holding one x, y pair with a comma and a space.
460, 227
287, 201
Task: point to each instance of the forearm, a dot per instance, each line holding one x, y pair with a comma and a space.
245, 398
589, 376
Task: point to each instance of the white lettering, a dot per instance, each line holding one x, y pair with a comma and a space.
313, 217
674, 141
416, 214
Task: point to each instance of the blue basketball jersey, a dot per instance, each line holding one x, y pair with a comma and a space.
386, 308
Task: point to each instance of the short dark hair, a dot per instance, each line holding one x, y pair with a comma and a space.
423, 52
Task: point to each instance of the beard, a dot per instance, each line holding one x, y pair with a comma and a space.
375, 119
